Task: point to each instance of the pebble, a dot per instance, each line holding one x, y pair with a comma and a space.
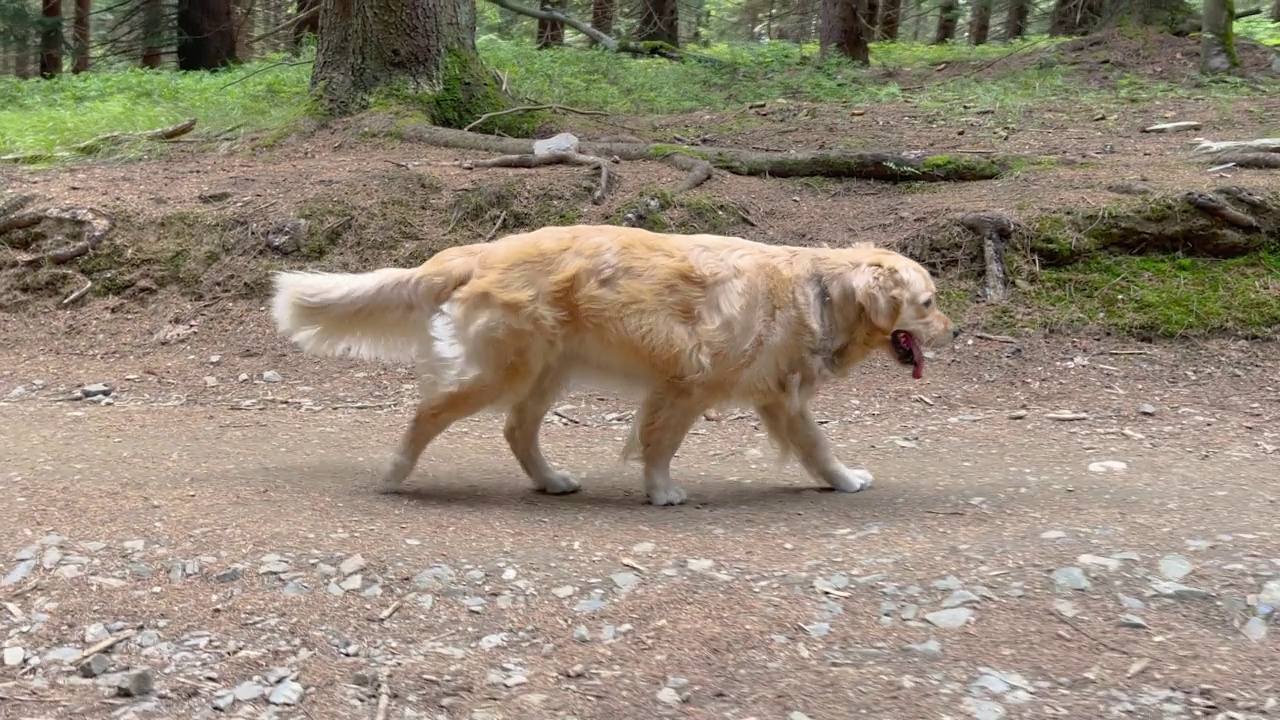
563, 591
1099, 561
136, 684
272, 376
248, 691
817, 629
582, 634
18, 573
95, 665
669, 696
1130, 603
13, 656
287, 692
624, 580
928, 647
351, 565
1174, 567
1070, 578
699, 565
95, 390
958, 598
1103, 466
1178, 590
984, 709
1052, 535
949, 619
797, 715
1133, 621
589, 605
1146, 409
643, 547
1065, 608
1255, 629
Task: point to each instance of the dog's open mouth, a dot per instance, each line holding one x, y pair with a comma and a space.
908, 352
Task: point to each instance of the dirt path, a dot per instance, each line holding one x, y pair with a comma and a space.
244, 540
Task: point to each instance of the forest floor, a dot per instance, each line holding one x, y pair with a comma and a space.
1070, 521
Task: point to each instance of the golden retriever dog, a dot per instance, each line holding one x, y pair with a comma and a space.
689, 321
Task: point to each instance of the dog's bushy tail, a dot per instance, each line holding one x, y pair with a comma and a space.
380, 315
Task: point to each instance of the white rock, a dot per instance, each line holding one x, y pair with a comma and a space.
670, 697
1173, 127
564, 142
13, 656
1108, 466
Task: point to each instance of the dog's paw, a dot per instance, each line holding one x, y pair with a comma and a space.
669, 496
559, 483
851, 480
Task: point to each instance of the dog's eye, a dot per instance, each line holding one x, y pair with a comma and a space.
928, 302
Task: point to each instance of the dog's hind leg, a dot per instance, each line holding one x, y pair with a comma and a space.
665, 418
524, 420
796, 428
436, 412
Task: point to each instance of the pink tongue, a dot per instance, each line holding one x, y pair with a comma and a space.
917, 368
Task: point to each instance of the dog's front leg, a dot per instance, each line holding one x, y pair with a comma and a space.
665, 418
795, 429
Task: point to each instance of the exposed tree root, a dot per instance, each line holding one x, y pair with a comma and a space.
96, 145
95, 225
1211, 205
882, 166
994, 231
1260, 154
533, 161
699, 171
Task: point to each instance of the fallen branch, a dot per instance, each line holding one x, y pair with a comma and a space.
534, 161
96, 226
1214, 207
79, 293
95, 145
1263, 145
107, 642
1252, 160
882, 166
632, 47
994, 230
384, 698
531, 108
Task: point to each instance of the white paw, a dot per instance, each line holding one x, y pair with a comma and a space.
559, 483
850, 480
670, 496
397, 471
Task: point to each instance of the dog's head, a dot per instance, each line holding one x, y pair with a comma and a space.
885, 300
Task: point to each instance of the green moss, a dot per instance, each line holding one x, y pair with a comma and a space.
465, 91
961, 166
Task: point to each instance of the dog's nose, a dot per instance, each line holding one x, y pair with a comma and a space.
955, 332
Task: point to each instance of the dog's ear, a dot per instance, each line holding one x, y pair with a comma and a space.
873, 289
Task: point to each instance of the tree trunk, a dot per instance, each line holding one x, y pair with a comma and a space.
153, 34
1015, 23
890, 19
948, 19
423, 51
980, 22
1217, 39
81, 31
1075, 17
242, 26
550, 32
206, 35
871, 20
22, 52
51, 39
659, 22
602, 15
309, 25
1275, 11
841, 30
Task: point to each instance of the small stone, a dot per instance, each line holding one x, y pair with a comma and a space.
950, 582
515, 681
697, 565
230, 575
563, 591
1175, 567
18, 573
958, 598
13, 656
624, 580
1255, 629
272, 376
95, 390
984, 709
1052, 535
95, 665
1103, 466
582, 634
1130, 603
589, 605
248, 691
643, 547
351, 565
1133, 621
928, 647
1070, 578
1146, 409
352, 582
949, 619
489, 642
1065, 608
669, 696
223, 700
476, 575
561, 143
1167, 588
1099, 561
797, 715
287, 692
95, 633
817, 629
276, 567
136, 684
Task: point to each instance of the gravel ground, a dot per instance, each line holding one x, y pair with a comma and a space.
1068, 528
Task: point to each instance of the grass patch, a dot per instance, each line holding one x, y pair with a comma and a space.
1161, 296
45, 115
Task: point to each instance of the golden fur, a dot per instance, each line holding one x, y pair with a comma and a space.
690, 321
